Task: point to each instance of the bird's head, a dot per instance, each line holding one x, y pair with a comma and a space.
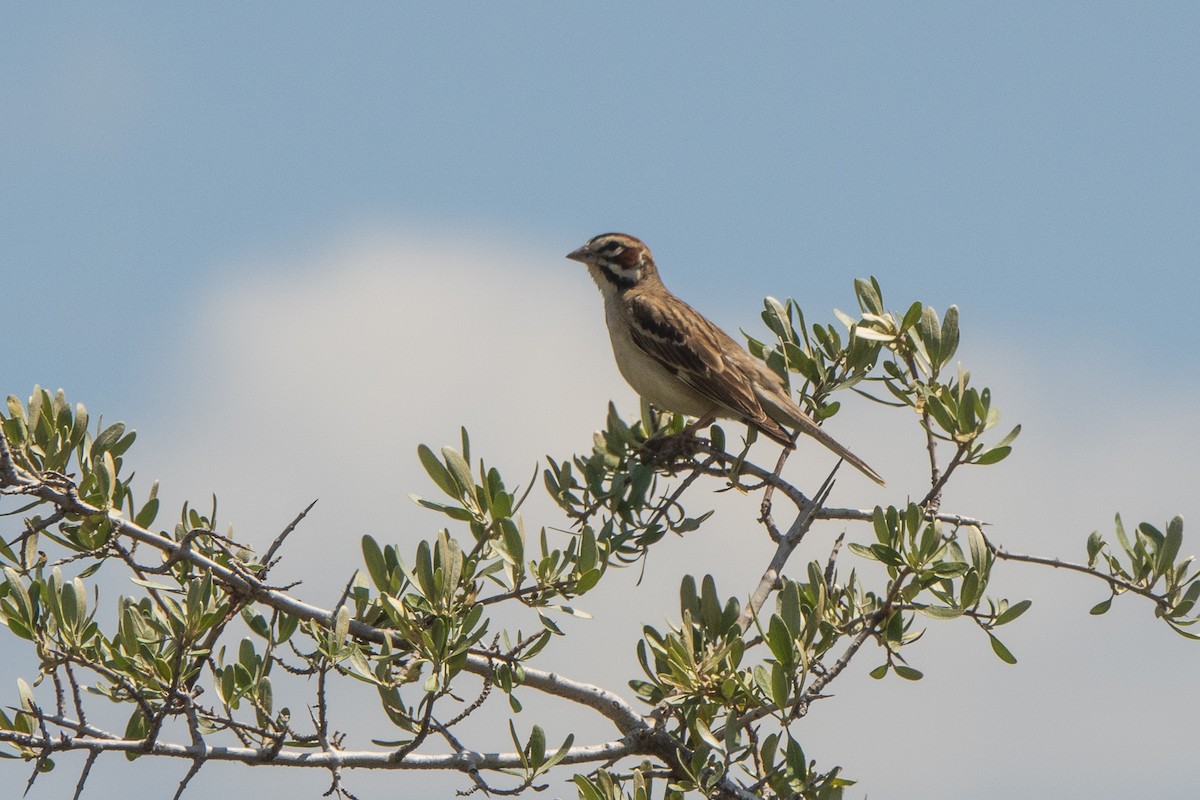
617, 261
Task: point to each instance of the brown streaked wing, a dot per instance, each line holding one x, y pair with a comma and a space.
696, 360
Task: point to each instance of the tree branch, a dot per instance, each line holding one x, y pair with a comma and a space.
610, 705
355, 759
1118, 584
790, 541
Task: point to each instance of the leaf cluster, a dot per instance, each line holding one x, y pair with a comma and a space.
1151, 556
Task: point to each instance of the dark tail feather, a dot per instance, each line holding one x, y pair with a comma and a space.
810, 428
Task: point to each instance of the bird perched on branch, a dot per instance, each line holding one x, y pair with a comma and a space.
679, 361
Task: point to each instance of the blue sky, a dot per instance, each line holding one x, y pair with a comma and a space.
1029, 163
184, 184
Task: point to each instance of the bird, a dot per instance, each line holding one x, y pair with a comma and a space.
679, 361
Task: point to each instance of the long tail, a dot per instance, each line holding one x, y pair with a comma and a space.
810, 428
776, 412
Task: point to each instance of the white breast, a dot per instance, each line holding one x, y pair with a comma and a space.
647, 376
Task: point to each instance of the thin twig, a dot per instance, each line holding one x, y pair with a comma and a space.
1118, 584
275, 545
349, 759
791, 492
936, 479
764, 509
46, 748
192, 772
867, 515
671, 501
933, 500
831, 565
790, 541
83, 773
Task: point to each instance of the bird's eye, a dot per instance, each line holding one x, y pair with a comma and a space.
612, 248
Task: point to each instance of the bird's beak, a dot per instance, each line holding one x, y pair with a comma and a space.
582, 255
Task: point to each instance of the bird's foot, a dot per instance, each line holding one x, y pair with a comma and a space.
676, 447
671, 448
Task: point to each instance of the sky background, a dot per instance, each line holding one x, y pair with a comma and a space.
289, 243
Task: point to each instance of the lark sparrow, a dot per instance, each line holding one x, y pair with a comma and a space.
679, 361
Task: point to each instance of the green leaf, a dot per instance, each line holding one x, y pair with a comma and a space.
460, 472
887, 555
570, 610
845, 319
79, 426
862, 550
286, 626
908, 673
436, 471
779, 640
587, 580
872, 335
912, 517
1121, 536
123, 444
827, 410
145, 517
20, 594
561, 753
999, 649
780, 681
1010, 437
15, 431
969, 594
512, 731
949, 335
1188, 602
941, 414
710, 605
105, 470
16, 409
789, 601
376, 566
1101, 608
587, 790
1183, 633
135, 730
25, 694
716, 434
776, 318
73, 604
513, 541
537, 746
706, 734
424, 570
912, 316
256, 623
108, 438
939, 612
1012, 612
1171, 544
880, 521
930, 333
993, 455
979, 549
867, 292
950, 569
